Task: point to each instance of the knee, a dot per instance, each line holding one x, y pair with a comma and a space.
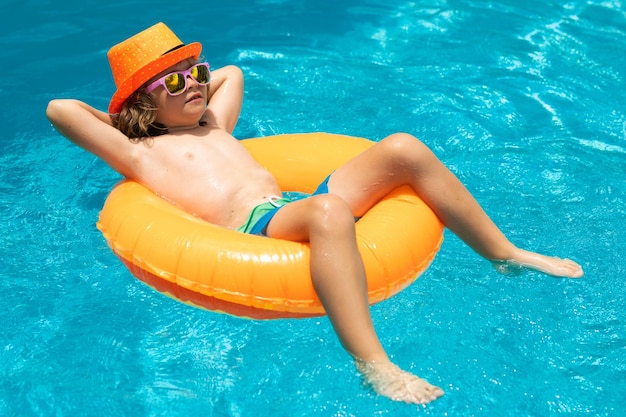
330, 214
405, 148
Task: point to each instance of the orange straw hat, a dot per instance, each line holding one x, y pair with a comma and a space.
141, 57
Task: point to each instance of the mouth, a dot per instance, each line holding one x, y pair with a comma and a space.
193, 97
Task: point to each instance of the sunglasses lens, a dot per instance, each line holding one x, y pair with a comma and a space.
175, 83
200, 73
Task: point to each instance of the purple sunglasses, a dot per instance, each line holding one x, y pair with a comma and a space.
175, 83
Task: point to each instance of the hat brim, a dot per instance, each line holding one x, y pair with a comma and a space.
145, 73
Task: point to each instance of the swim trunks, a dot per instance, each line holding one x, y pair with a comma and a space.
261, 215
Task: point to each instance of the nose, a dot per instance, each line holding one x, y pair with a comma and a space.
191, 82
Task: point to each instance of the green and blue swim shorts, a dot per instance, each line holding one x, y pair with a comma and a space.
261, 215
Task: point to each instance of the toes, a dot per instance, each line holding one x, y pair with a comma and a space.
398, 385
430, 393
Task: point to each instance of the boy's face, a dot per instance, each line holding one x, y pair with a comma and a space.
184, 109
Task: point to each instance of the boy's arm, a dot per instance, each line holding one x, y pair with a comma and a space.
225, 97
92, 130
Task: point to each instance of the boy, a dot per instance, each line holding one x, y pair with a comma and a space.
170, 126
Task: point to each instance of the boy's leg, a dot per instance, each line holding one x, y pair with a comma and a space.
326, 222
336, 267
401, 159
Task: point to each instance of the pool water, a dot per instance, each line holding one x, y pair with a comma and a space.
524, 101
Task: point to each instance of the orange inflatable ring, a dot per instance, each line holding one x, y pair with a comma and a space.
257, 277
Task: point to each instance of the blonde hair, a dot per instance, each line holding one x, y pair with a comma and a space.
137, 118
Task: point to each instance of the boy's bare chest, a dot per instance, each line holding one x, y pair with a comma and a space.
206, 178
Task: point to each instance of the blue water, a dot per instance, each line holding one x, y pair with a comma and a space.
523, 100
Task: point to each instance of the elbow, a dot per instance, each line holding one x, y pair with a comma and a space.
237, 71
52, 109
233, 70
55, 109
234, 74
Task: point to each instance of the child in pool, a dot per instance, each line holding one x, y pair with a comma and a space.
170, 129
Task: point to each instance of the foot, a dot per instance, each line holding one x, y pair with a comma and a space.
392, 382
556, 267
